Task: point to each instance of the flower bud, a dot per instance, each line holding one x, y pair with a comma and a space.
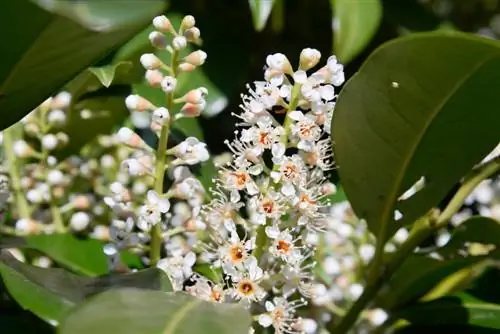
161, 116
62, 138
192, 34
49, 141
194, 96
130, 138
27, 226
186, 67
179, 43
279, 62
188, 22
79, 221
162, 23
150, 62
22, 149
56, 117
41, 262
100, 232
31, 129
309, 58
60, 101
81, 202
193, 110
51, 160
138, 103
196, 58
55, 177
154, 78
157, 39
34, 195
168, 84
107, 161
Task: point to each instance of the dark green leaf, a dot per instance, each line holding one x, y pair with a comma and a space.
455, 310
49, 48
50, 293
261, 10
107, 73
417, 276
403, 116
149, 312
355, 24
82, 256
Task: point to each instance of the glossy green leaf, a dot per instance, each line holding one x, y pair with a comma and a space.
50, 293
261, 10
107, 73
477, 229
402, 118
454, 310
53, 48
355, 23
82, 256
417, 276
149, 312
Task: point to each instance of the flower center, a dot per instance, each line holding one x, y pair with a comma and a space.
246, 288
237, 253
268, 206
283, 246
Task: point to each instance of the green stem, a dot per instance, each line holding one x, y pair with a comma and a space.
13, 169
261, 238
160, 166
422, 229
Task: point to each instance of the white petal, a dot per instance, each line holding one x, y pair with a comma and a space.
272, 231
296, 115
265, 320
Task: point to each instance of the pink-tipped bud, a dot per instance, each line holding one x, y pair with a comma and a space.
192, 34
309, 58
328, 188
81, 202
130, 138
150, 62
195, 96
168, 84
138, 103
154, 78
157, 39
193, 110
179, 43
188, 22
196, 58
162, 23
186, 67
60, 101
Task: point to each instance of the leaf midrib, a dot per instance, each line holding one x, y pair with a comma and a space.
178, 316
391, 199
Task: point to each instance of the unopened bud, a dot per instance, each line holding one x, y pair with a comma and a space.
150, 62
192, 109
309, 58
79, 221
61, 101
31, 129
27, 226
56, 117
194, 96
196, 58
188, 22
162, 23
154, 78
55, 177
157, 39
49, 141
80, 202
192, 34
186, 67
168, 84
22, 149
179, 43
130, 138
62, 138
34, 195
138, 103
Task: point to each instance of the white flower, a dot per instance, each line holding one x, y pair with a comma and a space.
79, 221
191, 151
178, 268
150, 213
168, 84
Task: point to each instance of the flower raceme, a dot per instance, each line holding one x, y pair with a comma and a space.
269, 205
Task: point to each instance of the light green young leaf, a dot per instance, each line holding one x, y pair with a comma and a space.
53, 48
402, 119
151, 312
261, 9
354, 24
107, 73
